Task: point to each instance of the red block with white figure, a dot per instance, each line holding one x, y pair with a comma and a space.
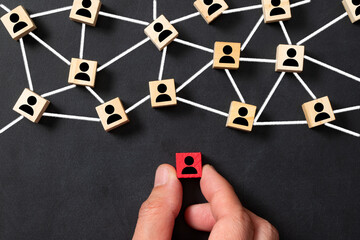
188, 165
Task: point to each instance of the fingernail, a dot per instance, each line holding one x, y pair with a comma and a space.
209, 166
161, 176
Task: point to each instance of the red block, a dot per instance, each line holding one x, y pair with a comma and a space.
188, 165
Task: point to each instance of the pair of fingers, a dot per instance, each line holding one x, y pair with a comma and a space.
223, 215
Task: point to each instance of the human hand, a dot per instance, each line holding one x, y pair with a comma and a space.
223, 216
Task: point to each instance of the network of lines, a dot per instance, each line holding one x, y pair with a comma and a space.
256, 122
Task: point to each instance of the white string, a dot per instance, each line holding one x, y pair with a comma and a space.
299, 3
252, 33
123, 54
322, 29
185, 18
82, 41
280, 123
27, 70
349, 109
11, 124
269, 96
95, 94
285, 32
4, 7
49, 48
242, 9
162, 64
60, 90
154, 10
332, 68
258, 60
137, 104
355, 134
193, 45
72, 117
202, 107
194, 76
50, 12
110, 15
305, 86
235, 86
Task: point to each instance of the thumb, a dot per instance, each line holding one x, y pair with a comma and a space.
157, 214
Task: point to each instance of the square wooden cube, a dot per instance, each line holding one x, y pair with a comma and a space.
352, 10
161, 32
82, 72
289, 58
210, 10
112, 114
18, 23
31, 105
276, 10
318, 112
227, 55
188, 165
85, 11
241, 116
163, 93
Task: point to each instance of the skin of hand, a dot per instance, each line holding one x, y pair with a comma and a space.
223, 216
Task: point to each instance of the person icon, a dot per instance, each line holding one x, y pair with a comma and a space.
319, 107
290, 62
83, 76
27, 107
277, 10
189, 170
113, 117
158, 27
227, 59
241, 120
357, 4
14, 18
162, 88
213, 7
83, 11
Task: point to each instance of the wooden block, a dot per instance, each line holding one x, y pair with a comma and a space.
227, 55
82, 72
210, 9
241, 116
31, 105
18, 23
112, 114
188, 165
85, 11
163, 93
318, 112
276, 10
352, 7
161, 32
289, 58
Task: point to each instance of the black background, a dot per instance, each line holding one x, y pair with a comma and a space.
64, 179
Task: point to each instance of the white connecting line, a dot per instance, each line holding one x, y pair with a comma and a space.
60, 90
11, 124
82, 41
202, 107
63, 9
123, 54
252, 33
154, 9
283, 28
72, 117
137, 104
193, 45
349, 109
322, 29
257, 60
5, 8
332, 68
126, 19
162, 64
49, 48
280, 123
235, 86
305, 86
342, 129
26, 64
